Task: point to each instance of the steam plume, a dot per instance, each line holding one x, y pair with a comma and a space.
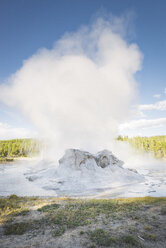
77, 93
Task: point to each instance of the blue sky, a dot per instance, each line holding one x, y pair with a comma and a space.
26, 26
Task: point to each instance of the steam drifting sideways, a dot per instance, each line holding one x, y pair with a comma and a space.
77, 93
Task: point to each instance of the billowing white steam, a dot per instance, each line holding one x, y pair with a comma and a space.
77, 93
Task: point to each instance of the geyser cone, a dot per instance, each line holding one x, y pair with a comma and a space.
81, 173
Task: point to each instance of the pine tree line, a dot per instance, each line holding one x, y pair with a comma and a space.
19, 148
155, 144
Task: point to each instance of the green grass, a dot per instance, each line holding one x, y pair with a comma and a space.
17, 228
22, 213
130, 240
101, 237
70, 217
14, 206
149, 236
61, 214
48, 208
77, 212
148, 228
6, 160
59, 231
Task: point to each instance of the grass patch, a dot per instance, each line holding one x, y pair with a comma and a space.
73, 213
101, 237
148, 228
16, 228
59, 231
6, 160
149, 236
47, 208
83, 212
64, 213
130, 240
22, 213
13, 206
69, 217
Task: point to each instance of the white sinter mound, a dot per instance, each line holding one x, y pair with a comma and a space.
78, 160
81, 173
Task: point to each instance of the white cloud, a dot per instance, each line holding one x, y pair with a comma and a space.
157, 96
79, 91
161, 105
142, 124
9, 132
136, 113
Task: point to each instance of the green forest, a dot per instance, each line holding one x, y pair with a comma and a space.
155, 145
18, 148
10, 149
